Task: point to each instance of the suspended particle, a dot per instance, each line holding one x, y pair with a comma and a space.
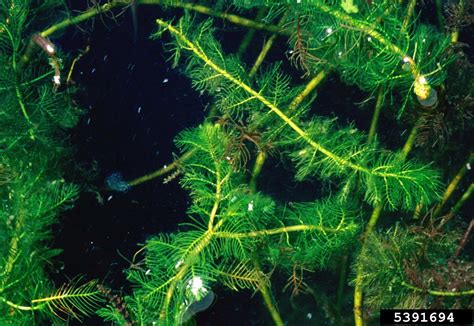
250, 206
165, 80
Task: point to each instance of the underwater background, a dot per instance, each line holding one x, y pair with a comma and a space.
135, 103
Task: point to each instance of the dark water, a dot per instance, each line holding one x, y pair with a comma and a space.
135, 105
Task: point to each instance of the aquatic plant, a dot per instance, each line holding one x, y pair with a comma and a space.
237, 236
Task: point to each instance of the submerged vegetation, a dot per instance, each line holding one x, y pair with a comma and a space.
392, 213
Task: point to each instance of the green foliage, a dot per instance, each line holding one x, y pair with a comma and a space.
340, 153
368, 47
73, 300
227, 225
396, 261
33, 120
235, 237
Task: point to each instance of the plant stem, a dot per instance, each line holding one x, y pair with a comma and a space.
267, 298
257, 168
439, 14
248, 37
410, 10
457, 206
341, 285
20, 307
94, 11
266, 293
455, 33
359, 321
167, 168
283, 229
410, 140
238, 20
464, 239
453, 185
257, 95
310, 86
375, 116
358, 297
438, 293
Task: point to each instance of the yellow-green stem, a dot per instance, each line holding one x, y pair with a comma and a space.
280, 230
162, 171
438, 293
310, 87
358, 296
267, 299
359, 321
238, 20
248, 37
410, 141
20, 307
466, 195
453, 185
409, 15
375, 116
257, 95
257, 168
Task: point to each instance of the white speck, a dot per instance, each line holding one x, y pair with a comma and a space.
165, 166
298, 1
403, 132
105, 57
369, 39
406, 59
339, 53
250, 206
57, 79
49, 48
424, 40
227, 158
196, 286
309, 315
201, 93
93, 70
92, 242
468, 166
165, 80
290, 52
218, 89
81, 72
148, 271
329, 30
422, 80
88, 121
139, 109
179, 263
110, 198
